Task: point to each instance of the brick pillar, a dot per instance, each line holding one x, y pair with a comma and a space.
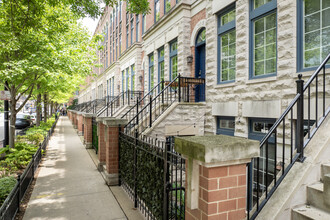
101, 142
216, 175
80, 123
112, 127
87, 120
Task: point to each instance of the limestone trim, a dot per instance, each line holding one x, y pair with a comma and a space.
201, 24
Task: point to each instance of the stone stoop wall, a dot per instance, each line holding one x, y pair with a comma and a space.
188, 115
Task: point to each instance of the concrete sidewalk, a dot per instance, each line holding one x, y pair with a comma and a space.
68, 185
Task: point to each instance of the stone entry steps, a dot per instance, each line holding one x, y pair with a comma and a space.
318, 199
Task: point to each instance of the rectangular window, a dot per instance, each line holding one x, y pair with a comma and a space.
157, 10
173, 60
113, 86
151, 71
127, 79
119, 44
123, 80
227, 45
161, 69
132, 29
263, 30
226, 125
133, 77
144, 23
127, 32
167, 5
137, 27
120, 4
314, 33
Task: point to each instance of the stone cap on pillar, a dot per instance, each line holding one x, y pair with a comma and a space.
89, 115
212, 151
218, 149
110, 121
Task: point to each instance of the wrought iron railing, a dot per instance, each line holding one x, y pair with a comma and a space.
141, 102
153, 175
123, 99
146, 114
285, 141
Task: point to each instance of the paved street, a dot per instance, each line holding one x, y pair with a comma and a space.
68, 185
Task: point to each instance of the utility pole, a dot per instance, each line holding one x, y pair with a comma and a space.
6, 119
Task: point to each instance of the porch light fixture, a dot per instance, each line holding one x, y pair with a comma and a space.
189, 59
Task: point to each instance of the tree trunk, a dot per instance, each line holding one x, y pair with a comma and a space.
12, 123
38, 108
45, 108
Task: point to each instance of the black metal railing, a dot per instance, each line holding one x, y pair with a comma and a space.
123, 99
11, 205
148, 111
153, 175
95, 139
285, 141
141, 102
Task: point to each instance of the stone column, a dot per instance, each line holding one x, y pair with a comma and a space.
216, 175
88, 129
112, 128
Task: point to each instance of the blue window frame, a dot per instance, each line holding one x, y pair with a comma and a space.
143, 23
133, 78
227, 45
173, 59
157, 10
167, 6
137, 27
263, 38
225, 125
127, 79
132, 29
151, 71
161, 66
123, 80
313, 33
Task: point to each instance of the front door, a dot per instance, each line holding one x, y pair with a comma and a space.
200, 66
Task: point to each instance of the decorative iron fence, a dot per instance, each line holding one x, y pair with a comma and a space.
11, 205
95, 139
153, 175
285, 141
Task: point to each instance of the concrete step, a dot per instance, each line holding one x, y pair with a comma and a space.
315, 196
325, 169
309, 212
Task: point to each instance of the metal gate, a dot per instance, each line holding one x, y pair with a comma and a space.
153, 175
95, 140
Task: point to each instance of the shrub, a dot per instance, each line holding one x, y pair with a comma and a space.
6, 185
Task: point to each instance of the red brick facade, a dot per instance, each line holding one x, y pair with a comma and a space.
101, 141
88, 130
222, 193
112, 150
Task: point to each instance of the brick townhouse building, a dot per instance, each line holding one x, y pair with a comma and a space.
250, 53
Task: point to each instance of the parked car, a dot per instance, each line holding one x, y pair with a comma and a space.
23, 121
33, 118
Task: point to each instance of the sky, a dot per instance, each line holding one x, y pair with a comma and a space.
90, 24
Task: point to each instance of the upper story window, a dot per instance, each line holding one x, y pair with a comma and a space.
167, 5
123, 80
133, 77
120, 4
313, 33
151, 71
144, 23
127, 18
227, 46
157, 10
161, 66
137, 27
127, 32
173, 60
132, 29
127, 79
263, 35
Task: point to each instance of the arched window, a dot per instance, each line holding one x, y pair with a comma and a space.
200, 37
